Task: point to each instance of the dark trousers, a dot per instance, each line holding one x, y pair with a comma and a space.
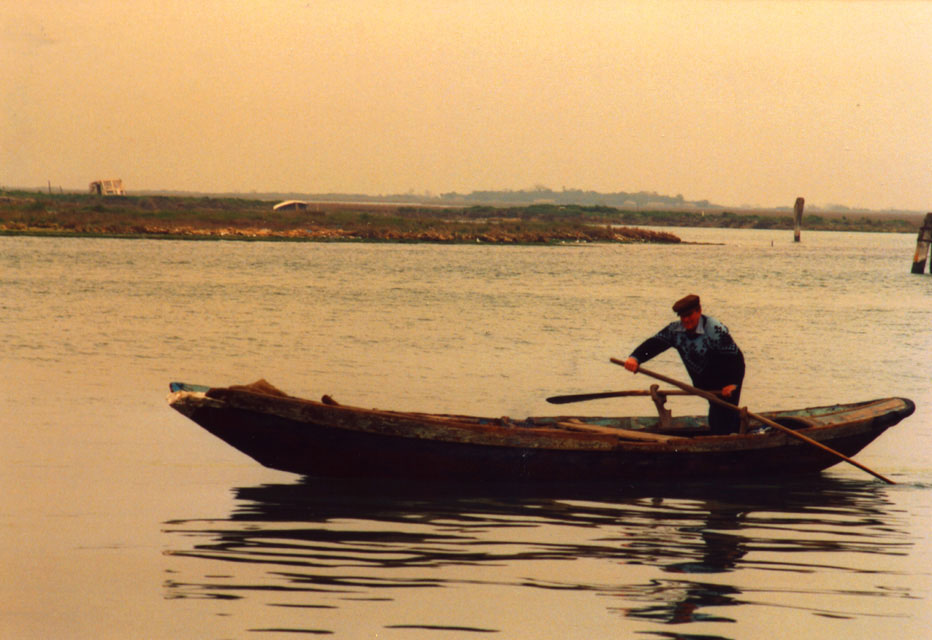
723, 420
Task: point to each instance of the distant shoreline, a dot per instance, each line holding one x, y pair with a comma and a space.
623, 236
206, 218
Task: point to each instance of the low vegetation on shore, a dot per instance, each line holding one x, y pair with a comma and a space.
231, 218
236, 218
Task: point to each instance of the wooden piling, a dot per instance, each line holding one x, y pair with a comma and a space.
798, 217
923, 241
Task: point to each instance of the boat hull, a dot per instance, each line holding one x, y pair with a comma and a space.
315, 439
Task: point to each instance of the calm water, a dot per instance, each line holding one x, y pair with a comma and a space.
121, 519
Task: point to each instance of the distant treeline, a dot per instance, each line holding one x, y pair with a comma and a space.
537, 195
637, 200
543, 195
601, 214
621, 199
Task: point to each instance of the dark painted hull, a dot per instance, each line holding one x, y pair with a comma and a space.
317, 439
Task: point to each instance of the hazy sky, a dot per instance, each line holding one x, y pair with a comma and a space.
737, 102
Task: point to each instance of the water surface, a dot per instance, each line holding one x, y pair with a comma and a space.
122, 519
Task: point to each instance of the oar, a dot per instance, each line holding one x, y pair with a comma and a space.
711, 397
582, 397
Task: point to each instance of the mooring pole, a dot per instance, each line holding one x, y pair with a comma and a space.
922, 245
798, 217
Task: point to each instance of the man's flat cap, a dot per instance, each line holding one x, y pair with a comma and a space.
686, 305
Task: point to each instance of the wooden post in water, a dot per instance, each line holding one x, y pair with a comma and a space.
922, 245
798, 217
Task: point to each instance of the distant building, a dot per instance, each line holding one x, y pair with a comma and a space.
291, 205
108, 187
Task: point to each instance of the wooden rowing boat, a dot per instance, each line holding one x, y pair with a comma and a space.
328, 439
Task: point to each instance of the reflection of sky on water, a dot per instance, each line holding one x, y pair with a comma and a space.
693, 554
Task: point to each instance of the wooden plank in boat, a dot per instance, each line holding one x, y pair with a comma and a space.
629, 434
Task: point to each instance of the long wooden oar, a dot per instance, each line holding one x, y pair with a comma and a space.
582, 397
711, 397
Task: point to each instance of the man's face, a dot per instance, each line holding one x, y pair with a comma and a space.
691, 320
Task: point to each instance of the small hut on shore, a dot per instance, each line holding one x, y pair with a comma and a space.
112, 187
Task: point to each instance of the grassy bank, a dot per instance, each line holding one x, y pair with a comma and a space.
230, 218
236, 218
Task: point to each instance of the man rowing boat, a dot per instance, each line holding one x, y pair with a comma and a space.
712, 359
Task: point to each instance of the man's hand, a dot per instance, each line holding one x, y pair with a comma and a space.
727, 391
631, 364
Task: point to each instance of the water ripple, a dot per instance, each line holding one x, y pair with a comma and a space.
338, 543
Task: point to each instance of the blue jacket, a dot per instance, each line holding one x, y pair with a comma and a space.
710, 355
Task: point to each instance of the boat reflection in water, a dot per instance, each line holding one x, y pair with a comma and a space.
655, 555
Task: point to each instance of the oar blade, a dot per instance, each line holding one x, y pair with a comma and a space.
578, 397
582, 397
